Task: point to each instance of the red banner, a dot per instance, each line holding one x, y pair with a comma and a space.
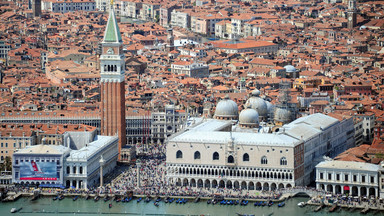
38, 178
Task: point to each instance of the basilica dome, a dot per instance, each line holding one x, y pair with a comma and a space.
226, 109
257, 103
249, 117
282, 115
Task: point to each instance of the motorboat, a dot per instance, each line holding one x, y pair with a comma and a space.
282, 204
301, 204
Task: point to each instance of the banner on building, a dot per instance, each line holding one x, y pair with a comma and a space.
38, 171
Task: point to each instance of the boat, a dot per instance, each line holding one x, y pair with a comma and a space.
208, 201
333, 208
364, 211
14, 210
156, 204
96, 198
148, 199
171, 200
270, 203
197, 199
110, 205
55, 198
139, 200
87, 197
106, 198
75, 198
128, 199
236, 202
301, 204
282, 204
61, 197
318, 208
118, 200
158, 199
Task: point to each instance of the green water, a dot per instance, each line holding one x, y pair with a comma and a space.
46, 206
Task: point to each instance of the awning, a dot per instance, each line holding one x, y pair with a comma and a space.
346, 188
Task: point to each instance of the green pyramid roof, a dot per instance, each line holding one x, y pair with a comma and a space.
112, 32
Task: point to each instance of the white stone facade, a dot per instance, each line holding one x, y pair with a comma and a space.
348, 177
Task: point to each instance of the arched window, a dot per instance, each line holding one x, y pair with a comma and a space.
283, 161
246, 157
264, 160
197, 155
81, 170
115, 68
231, 159
179, 154
215, 156
74, 170
68, 170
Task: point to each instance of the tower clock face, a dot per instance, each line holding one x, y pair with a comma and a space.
110, 51
350, 18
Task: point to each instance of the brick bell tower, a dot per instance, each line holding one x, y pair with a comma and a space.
112, 84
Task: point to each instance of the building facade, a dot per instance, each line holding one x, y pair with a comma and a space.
82, 167
39, 164
191, 69
69, 6
348, 177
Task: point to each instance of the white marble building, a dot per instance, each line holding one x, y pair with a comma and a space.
222, 152
82, 167
342, 177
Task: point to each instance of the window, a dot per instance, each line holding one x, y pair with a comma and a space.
372, 179
321, 175
215, 156
354, 178
74, 170
179, 154
283, 161
231, 159
68, 170
264, 160
81, 170
337, 177
363, 179
329, 176
346, 177
246, 157
197, 155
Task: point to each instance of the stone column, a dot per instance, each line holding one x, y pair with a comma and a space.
359, 191
138, 166
101, 161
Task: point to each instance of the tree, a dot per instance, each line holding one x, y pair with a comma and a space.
7, 164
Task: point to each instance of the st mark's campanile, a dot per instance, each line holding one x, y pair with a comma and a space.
112, 72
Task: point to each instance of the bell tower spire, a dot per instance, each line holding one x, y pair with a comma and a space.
112, 82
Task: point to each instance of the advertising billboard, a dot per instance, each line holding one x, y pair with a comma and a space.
38, 171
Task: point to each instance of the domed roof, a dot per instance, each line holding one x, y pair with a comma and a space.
270, 107
282, 115
249, 117
289, 68
227, 108
257, 104
256, 93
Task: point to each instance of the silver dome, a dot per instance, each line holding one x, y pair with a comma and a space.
282, 115
270, 107
255, 93
257, 104
249, 117
290, 68
227, 108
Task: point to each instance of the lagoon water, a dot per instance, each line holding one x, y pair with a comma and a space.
46, 206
